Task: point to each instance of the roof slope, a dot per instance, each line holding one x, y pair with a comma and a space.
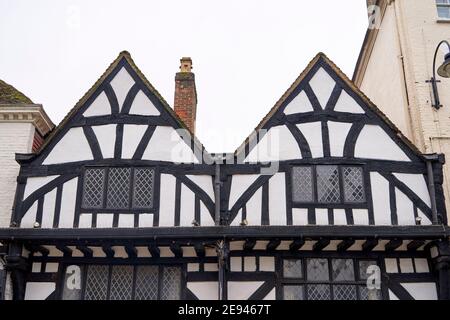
10, 95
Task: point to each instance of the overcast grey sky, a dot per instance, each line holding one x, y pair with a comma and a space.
245, 53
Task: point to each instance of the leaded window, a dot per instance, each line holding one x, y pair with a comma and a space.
443, 8
328, 185
118, 188
327, 279
122, 282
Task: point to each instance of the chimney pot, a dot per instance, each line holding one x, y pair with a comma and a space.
186, 64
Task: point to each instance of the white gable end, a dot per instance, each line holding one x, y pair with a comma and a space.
322, 84
312, 131
299, 104
100, 106
346, 103
338, 132
72, 147
106, 136
143, 106
121, 84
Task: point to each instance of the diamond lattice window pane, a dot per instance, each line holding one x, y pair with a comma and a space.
302, 184
94, 181
292, 268
146, 283
171, 283
343, 270
97, 282
118, 188
121, 283
328, 190
293, 292
363, 268
319, 292
344, 292
353, 185
372, 294
317, 270
143, 188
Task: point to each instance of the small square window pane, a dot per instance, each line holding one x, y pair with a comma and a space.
343, 270
146, 283
363, 268
317, 270
372, 294
171, 283
353, 185
344, 292
293, 292
302, 184
444, 12
319, 292
328, 190
93, 184
118, 188
97, 282
292, 268
143, 188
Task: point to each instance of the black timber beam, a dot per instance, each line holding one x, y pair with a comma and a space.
200, 250
273, 244
321, 244
67, 252
108, 250
37, 248
344, 245
369, 245
415, 245
86, 251
154, 250
176, 250
249, 244
296, 245
393, 245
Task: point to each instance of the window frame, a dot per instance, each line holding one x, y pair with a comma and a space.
342, 204
110, 264
130, 209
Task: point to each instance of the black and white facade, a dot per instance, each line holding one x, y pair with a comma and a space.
119, 203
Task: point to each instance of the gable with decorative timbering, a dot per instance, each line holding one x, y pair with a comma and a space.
121, 158
338, 161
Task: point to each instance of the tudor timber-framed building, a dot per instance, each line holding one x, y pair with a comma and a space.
123, 216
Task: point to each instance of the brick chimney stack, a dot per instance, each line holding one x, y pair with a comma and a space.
185, 104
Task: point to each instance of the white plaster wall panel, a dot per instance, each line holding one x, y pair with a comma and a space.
97, 252
339, 217
105, 220
36, 267
100, 106
299, 217
106, 139
236, 264
380, 198
361, 217
119, 252
425, 221
142, 252
260, 245
75, 252
312, 131
205, 216
308, 246
210, 267
322, 85
236, 245
204, 290
284, 245
68, 201
126, 220
381, 246
267, 264
254, 209
421, 265
205, 183
405, 209
391, 265
322, 217
85, 220
51, 267
72, 147
276, 145
35, 183
29, 217
239, 184
132, 134
332, 246
193, 267
270, 295
277, 200
374, 143
242, 290
392, 296
143, 106
121, 84
357, 246
338, 132
145, 220
53, 251
187, 207
167, 145
167, 201
210, 252
249, 264
39, 290
346, 103
165, 252
189, 252
299, 104
417, 183
48, 209
422, 290
406, 265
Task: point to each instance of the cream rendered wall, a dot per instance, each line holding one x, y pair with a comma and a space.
416, 25
14, 137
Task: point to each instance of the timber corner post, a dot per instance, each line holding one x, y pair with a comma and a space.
18, 266
440, 255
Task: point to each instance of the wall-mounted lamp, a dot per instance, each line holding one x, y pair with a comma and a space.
443, 71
